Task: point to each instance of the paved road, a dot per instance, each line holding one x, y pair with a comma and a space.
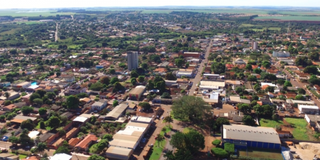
296, 83
197, 78
56, 33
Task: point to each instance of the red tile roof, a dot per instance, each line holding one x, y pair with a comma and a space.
86, 141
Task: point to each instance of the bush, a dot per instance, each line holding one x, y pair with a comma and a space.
229, 147
216, 142
219, 152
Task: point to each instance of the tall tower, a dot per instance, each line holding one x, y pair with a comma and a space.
254, 45
132, 59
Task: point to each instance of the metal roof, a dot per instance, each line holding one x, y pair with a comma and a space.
117, 111
248, 133
138, 90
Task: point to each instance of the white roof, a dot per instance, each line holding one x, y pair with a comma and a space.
33, 134
141, 119
61, 156
269, 84
300, 102
80, 119
33, 87
307, 107
248, 133
212, 83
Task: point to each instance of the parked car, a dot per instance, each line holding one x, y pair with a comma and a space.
5, 138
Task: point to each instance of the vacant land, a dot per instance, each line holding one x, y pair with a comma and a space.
270, 123
258, 154
286, 18
300, 130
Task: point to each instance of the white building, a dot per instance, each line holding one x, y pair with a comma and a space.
308, 109
254, 45
132, 58
281, 54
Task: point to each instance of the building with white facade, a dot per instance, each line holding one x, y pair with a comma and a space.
132, 58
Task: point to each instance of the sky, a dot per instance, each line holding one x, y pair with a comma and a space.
136, 3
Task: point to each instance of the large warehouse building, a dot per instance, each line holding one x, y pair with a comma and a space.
246, 136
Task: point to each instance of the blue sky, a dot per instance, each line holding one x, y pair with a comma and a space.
135, 3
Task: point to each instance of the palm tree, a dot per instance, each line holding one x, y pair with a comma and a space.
168, 119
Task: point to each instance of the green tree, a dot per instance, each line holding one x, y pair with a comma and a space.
229, 147
51, 95
257, 70
190, 108
245, 108
168, 119
114, 80
192, 141
53, 122
165, 95
96, 157
179, 62
42, 111
14, 140
216, 142
303, 61
72, 102
248, 120
107, 136
144, 65
115, 103
252, 78
218, 68
311, 69
105, 80
38, 101
287, 84
27, 124
26, 110
41, 147
249, 67
170, 76
96, 86
299, 97
141, 79
266, 64
219, 122
34, 96
145, 105
314, 56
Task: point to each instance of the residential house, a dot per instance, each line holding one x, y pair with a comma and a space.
75, 89
67, 77
239, 61
86, 142
99, 105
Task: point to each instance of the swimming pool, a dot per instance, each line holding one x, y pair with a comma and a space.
33, 83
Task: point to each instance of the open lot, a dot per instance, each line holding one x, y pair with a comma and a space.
31, 13
260, 154
269, 123
286, 18
299, 129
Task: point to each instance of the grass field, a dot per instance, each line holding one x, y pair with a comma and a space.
269, 123
296, 18
300, 128
259, 154
30, 22
159, 146
12, 31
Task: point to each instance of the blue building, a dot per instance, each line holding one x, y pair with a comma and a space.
253, 137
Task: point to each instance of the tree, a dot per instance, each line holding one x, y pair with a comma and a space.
72, 102
314, 56
229, 147
7, 95
98, 147
145, 105
112, 71
118, 87
218, 68
287, 84
219, 152
64, 149
252, 78
239, 89
299, 97
34, 96
38, 101
280, 81
51, 95
257, 70
141, 79
133, 81
144, 65
42, 111
248, 120
108, 137
114, 80
165, 95
270, 89
301, 91
181, 154
115, 103
96, 86
219, 122
314, 80
190, 108
266, 64
25, 140
96, 157
245, 108
168, 119
27, 124
303, 61
179, 62
41, 147
14, 140
53, 122
191, 141
26, 110
105, 80
249, 67
311, 69
41, 92
170, 76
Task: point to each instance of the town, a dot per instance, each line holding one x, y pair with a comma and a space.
126, 85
